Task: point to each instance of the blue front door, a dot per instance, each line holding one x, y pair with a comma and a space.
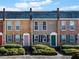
53, 40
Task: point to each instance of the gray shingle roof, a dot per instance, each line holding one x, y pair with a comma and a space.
40, 14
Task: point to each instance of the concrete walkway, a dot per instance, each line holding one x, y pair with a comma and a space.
35, 57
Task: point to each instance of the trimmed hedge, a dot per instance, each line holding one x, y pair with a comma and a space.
12, 46
70, 46
69, 51
11, 49
43, 50
3, 51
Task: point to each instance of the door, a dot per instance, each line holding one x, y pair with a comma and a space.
53, 40
25, 40
0, 39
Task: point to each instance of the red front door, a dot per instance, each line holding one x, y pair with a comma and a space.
0, 39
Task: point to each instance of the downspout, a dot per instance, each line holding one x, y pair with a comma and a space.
4, 27
58, 27
30, 27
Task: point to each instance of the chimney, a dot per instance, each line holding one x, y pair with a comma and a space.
58, 13
30, 13
3, 14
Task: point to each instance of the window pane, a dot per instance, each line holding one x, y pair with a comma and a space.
36, 26
63, 25
72, 38
44, 25
17, 38
9, 27
17, 27
63, 38
44, 37
36, 23
72, 25
36, 38
9, 38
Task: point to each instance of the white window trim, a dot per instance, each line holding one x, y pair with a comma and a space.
15, 38
73, 38
8, 40
64, 36
73, 29
19, 29
34, 25
70, 26
17, 25
9, 25
64, 25
8, 29
35, 38
46, 26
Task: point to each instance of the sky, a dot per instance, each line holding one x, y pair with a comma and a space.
39, 5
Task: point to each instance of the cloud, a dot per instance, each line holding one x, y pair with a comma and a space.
9, 8
74, 7
33, 4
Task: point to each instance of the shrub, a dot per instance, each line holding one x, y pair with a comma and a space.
12, 46
69, 51
75, 56
43, 50
12, 51
21, 51
70, 46
3, 51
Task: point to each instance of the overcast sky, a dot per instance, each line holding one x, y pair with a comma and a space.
36, 5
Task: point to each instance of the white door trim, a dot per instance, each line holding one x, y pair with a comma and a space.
28, 38
2, 37
53, 33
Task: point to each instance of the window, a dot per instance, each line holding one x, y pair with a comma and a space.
44, 25
36, 26
44, 38
72, 38
17, 25
9, 38
63, 25
36, 38
17, 38
72, 25
63, 38
9, 25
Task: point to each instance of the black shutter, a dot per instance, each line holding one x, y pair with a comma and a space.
76, 38
48, 38
6, 39
67, 38
33, 38
60, 39
39, 38
12, 38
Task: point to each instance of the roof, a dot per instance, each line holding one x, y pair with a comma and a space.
40, 14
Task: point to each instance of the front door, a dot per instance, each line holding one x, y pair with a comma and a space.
25, 40
0, 39
53, 40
